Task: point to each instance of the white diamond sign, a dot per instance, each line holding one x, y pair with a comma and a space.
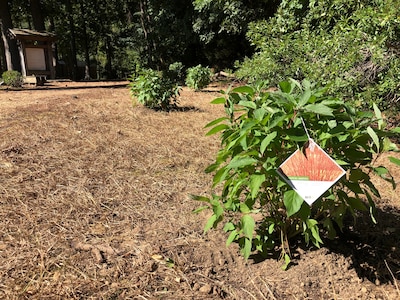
310, 171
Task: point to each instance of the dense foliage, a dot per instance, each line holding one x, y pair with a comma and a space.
353, 46
120, 37
221, 26
260, 131
12, 78
154, 90
198, 77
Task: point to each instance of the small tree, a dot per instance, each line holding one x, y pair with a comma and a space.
154, 90
198, 77
260, 131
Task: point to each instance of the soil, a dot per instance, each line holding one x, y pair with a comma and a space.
95, 204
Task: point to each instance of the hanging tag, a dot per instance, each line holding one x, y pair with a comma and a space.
310, 171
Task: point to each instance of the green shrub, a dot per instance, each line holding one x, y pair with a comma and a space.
260, 131
12, 78
154, 90
350, 45
198, 77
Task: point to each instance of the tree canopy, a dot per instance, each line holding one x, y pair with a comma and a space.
351, 45
119, 37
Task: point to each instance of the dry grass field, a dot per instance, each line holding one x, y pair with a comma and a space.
94, 204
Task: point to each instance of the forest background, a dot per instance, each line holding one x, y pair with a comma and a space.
352, 45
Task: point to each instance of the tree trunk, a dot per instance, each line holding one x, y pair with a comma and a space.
10, 46
37, 15
109, 55
2, 58
145, 21
72, 41
85, 42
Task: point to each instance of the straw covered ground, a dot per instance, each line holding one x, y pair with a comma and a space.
94, 204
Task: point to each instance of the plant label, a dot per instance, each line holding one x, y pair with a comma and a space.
310, 171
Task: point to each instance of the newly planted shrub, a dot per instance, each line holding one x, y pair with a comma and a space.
12, 78
260, 131
198, 77
154, 90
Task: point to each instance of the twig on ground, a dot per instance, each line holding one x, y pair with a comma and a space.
394, 278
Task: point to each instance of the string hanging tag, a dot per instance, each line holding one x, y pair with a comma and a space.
305, 128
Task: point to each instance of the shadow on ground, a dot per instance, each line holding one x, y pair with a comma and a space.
374, 249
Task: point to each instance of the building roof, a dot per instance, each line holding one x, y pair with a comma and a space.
28, 34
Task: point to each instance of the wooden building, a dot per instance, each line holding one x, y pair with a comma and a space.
36, 53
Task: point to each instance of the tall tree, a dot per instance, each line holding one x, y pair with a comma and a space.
10, 45
85, 40
73, 53
37, 15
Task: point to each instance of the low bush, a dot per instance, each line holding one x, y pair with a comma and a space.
154, 90
12, 78
198, 77
260, 130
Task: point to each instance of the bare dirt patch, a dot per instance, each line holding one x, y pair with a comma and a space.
94, 204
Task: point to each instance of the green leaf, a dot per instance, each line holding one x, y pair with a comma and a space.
212, 167
271, 228
356, 203
305, 211
384, 173
389, 146
381, 171
256, 181
378, 114
395, 130
232, 237
285, 86
238, 162
210, 223
217, 208
220, 100
200, 209
249, 104
372, 208
319, 109
259, 113
220, 175
304, 98
394, 160
244, 208
287, 261
217, 128
292, 202
267, 140
216, 121
342, 162
374, 137
229, 226
200, 198
330, 228
248, 225
244, 90
312, 225
246, 248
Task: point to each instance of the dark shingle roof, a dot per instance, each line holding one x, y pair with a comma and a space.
28, 34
